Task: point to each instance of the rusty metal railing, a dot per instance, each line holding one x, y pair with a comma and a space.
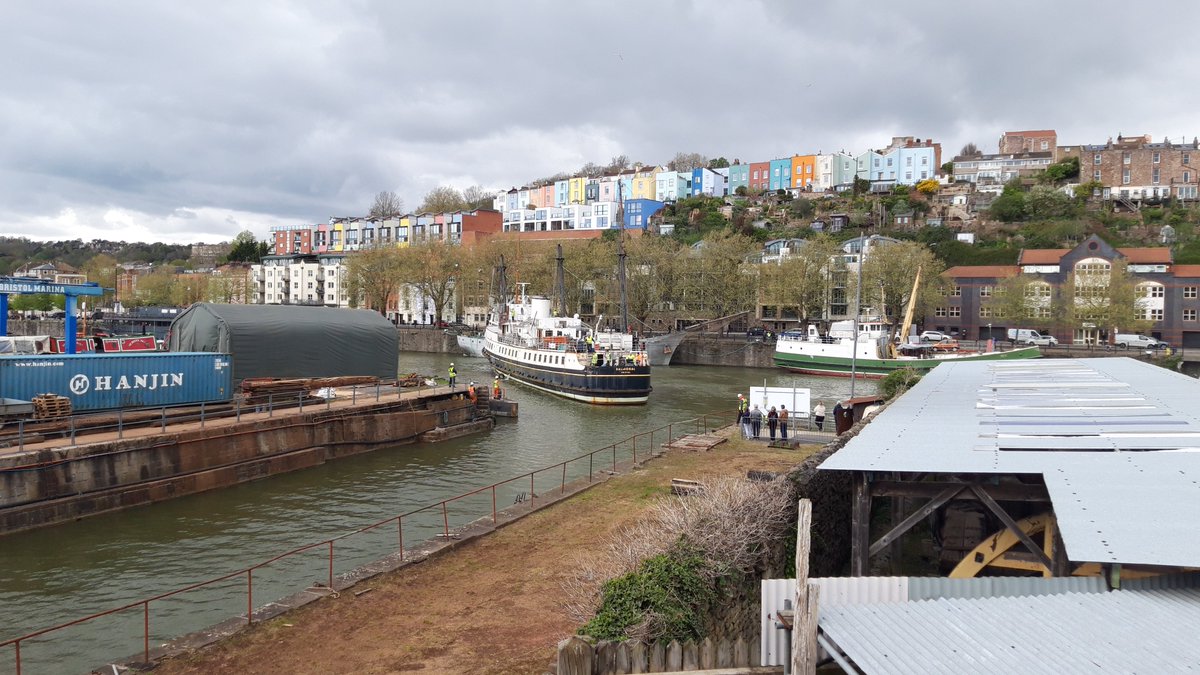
611, 457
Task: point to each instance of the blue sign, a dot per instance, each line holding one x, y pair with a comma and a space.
25, 287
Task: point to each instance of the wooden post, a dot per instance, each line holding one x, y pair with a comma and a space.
860, 526
804, 641
803, 546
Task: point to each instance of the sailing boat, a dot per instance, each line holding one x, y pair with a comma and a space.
865, 348
561, 354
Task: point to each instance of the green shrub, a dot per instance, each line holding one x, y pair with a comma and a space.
669, 591
898, 381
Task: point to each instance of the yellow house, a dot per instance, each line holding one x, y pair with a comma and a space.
575, 189
404, 231
643, 186
804, 171
337, 237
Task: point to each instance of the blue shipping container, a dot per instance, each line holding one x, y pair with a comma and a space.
104, 381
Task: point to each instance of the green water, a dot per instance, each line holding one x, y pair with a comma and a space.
62, 573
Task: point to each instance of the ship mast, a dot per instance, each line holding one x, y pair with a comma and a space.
502, 304
621, 259
560, 286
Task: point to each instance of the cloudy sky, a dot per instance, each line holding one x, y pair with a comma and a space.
191, 121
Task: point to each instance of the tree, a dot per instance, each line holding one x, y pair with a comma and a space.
802, 280
102, 269
246, 248
948, 169
802, 207
1087, 190
591, 170
475, 197
861, 186
888, 273
970, 150
1046, 203
718, 163
373, 275
687, 161
154, 289
443, 199
1065, 169
386, 205
430, 267
741, 191
1097, 299
618, 163
1022, 300
715, 280
1010, 205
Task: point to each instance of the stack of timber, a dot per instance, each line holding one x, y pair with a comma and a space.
703, 442
411, 380
51, 406
259, 389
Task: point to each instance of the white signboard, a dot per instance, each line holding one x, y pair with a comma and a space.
796, 399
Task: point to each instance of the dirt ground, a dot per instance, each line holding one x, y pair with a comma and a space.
489, 606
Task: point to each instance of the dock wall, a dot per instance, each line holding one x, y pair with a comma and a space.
49, 486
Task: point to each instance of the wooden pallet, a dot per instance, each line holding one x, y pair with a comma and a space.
51, 406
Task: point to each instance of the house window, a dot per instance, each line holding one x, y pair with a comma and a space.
1155, 158
1096, 175
1041, 313
1187, 176
908, 161
1096, 159
924, 160
907, 175
1154, 176
1154, 315
941, 311
1154, 291
954, 311
956, 291
1190, 291
1126, 157
1189, 315
1125, 177
985, 291
889, 159
1045, 145
985, 312
1187, 158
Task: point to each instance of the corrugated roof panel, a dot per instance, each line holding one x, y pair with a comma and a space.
1119, 461
1122, 631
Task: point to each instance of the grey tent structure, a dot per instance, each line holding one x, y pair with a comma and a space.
289, 340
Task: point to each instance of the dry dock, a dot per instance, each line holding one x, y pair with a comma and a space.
47, 479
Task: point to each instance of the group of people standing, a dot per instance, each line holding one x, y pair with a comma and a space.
751, 419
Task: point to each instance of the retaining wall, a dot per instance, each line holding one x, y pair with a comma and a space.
55, 485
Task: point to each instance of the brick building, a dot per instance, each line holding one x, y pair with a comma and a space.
1017, 142
1168, 295
1137, 169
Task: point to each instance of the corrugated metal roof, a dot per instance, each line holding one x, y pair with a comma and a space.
1116, 440
845, 591
1120, 632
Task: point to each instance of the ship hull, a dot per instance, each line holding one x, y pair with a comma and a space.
606, 385
839, 366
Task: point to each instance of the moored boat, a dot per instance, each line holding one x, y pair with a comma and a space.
527, 343
471, 345
836, 353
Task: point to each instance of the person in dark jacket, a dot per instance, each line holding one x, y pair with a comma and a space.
755, 422
772, 421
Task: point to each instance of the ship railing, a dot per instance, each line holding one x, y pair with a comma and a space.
442, 520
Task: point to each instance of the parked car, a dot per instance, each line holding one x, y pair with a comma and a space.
934, 336
1137, 341
756, 334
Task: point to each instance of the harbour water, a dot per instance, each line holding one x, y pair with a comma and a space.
66, 572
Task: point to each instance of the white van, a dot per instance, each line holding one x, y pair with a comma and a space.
1026, 336
1137, 341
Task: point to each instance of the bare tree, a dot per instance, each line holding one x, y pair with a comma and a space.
969, 150
387, 205
476, 197
686, 161
618, 163
592, 170
374, 275
443, 199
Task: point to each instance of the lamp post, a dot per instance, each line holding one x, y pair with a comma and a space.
857, 313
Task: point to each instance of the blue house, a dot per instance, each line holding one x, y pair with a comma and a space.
781, 174
739, 176
638, 212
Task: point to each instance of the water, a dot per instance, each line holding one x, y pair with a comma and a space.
66, 572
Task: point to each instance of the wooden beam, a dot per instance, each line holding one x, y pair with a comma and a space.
916, 516
1012, 526
930, 489
860, 525
803, 649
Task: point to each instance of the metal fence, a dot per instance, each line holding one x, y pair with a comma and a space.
555, 477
